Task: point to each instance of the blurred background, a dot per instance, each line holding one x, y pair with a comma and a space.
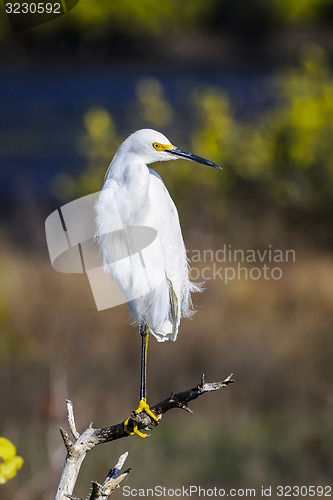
248, 86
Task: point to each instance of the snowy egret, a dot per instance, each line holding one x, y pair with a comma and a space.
155, 282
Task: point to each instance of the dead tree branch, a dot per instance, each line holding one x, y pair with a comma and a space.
112, 481
91, 437
179, 400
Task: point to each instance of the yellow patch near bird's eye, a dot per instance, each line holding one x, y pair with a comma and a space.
161, 147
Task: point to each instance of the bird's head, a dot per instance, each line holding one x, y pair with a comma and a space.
153, 146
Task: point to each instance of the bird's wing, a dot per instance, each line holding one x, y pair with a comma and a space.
154, 280
173, 275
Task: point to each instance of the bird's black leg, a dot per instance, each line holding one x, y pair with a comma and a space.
143, 405
144, 352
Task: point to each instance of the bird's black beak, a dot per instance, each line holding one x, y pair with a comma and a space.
190, 156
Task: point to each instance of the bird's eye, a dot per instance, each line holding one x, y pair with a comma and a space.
156, 146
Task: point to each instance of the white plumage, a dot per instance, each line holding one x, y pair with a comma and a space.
134, 207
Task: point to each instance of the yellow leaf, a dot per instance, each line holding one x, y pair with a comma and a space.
9, 461
7, 449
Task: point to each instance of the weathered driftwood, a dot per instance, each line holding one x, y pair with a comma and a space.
76, 451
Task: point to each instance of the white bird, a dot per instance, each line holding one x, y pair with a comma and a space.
141, 242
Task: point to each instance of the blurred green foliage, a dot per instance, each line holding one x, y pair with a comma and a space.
297, 138
139, 18
147, 19
283, 158
99, 141
301, 10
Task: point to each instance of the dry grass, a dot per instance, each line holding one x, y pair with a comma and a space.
272, 425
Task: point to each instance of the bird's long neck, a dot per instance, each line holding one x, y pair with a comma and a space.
125, 167
133, 178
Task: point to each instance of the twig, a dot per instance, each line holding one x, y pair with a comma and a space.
91, 437
71, 420
111, 482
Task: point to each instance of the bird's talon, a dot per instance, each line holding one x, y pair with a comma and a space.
130, 433
135, 429
144, 406
139, 433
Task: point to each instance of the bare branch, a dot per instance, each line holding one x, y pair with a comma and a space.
179, 400
68, 443
119, 464
91, 437
111, 482
71, 419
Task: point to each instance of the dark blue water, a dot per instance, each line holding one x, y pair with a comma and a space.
41, 113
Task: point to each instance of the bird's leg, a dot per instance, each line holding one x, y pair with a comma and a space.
143, 405
144, 355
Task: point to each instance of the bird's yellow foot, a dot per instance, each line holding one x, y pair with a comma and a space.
143, 406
